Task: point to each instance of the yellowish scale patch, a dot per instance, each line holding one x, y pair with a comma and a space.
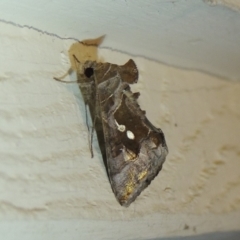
129, 155
130, 185
142, 174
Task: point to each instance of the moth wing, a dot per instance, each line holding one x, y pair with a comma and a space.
135, 148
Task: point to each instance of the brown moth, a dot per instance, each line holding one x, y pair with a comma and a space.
133, 149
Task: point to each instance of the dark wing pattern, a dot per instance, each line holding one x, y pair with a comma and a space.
135, 149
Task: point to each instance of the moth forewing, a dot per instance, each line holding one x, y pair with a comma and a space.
133, 149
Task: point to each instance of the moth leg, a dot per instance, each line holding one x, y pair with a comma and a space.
69, 71
90, 132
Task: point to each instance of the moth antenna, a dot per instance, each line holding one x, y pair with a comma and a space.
89, 135
93, 127
86, 117
91, 139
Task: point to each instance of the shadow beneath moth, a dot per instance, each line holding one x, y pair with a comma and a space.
133, 149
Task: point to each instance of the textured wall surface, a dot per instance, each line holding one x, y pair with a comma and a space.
201, 34
50, 188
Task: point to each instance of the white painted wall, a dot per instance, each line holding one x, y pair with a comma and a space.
50, 188
199, 34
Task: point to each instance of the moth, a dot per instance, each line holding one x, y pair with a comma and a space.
133, 149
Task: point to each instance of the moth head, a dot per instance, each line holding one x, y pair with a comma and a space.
88, 72
88, 68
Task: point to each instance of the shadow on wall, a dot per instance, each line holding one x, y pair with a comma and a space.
235, 235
